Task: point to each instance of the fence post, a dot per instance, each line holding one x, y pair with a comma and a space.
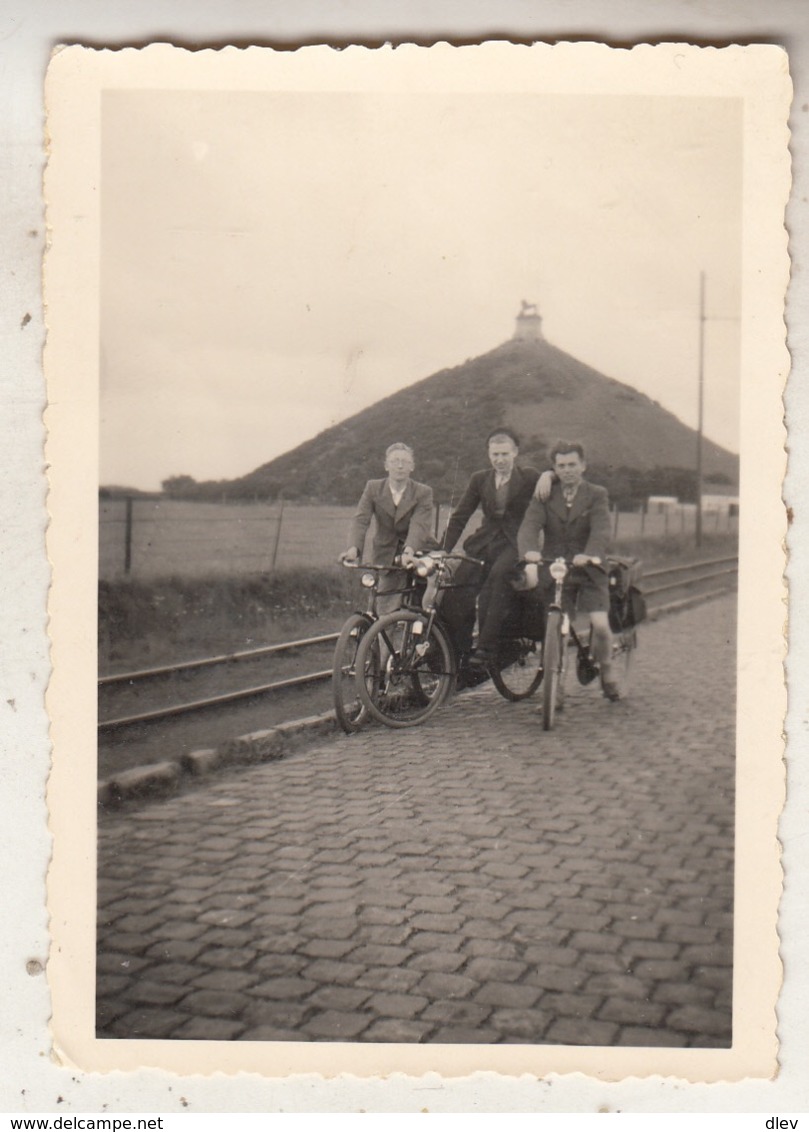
437, 519
665, 520
642, 518
615, 521
277, 534
128, 536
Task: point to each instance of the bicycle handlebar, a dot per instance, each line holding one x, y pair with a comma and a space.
436, 557
459, 555
349, 565
591, 561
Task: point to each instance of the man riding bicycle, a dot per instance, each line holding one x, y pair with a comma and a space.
502, 492
574, 524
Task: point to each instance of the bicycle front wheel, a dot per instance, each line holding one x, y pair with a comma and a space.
519, 672
348, 707
413, 670
552, 660
624, 644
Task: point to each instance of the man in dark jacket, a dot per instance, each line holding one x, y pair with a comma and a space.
503, 493
574, 523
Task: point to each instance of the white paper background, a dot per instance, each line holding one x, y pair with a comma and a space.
27, 33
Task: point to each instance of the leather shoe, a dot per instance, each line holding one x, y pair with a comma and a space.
610, 690
481, 658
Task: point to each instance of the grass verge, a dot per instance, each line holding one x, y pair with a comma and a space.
176, 618
171, 619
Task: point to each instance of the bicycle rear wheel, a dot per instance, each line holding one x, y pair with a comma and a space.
348, 707
413, 670
519, 672
552, 663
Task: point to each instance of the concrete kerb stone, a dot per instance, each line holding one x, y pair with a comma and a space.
255, 747
201, 762
157, 780
153, 780
310, 725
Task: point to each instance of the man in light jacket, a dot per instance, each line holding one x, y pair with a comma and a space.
402, 510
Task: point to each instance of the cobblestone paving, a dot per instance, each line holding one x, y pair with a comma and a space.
471, 880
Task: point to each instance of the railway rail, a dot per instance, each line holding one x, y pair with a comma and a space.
696, 580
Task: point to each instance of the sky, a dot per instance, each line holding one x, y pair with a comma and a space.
271, 263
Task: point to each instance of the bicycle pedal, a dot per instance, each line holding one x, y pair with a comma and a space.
586, 670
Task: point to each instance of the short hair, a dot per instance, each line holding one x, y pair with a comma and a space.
565, 447
512, 436
399, 446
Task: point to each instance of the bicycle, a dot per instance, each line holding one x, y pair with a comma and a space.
560, 635
407, 657
348, 707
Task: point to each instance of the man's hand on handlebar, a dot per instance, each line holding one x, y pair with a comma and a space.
349, 556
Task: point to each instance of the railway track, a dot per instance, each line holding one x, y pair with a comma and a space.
666, 589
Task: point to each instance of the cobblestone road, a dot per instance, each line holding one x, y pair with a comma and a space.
471, 880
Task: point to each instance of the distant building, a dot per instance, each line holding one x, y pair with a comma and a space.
660, 504
714, 503
528, 324
717, 503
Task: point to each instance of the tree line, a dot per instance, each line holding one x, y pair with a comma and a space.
628, 487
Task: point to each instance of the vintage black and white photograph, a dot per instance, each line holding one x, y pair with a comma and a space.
421, 474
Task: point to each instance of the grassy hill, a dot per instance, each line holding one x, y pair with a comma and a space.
537, 389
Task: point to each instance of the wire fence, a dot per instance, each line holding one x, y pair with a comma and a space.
150, 538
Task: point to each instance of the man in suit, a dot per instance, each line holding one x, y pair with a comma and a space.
503, 493
574, 523
403, 514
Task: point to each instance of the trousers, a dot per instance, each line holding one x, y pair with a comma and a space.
490, 586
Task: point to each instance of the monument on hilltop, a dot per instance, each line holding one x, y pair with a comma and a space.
528, 324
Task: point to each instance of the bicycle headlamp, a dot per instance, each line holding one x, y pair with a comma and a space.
368, 580
558, 570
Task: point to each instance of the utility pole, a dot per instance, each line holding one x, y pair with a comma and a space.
701, 401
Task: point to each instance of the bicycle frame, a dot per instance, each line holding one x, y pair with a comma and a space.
587, 669
559, 571
560, 633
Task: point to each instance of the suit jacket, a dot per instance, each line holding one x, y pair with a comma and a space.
409, 524
480, 492
583, 528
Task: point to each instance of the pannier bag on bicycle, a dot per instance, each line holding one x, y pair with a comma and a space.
526, 616
627, 603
